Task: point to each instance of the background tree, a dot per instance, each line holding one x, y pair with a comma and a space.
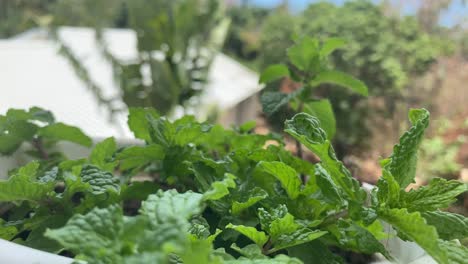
385, 52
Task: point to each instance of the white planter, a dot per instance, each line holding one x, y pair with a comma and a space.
12, 253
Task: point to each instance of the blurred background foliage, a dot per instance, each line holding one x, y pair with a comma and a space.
176, 42
384, 49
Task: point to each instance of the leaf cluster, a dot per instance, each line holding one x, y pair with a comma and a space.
226, 196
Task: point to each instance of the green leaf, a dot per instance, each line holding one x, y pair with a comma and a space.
169, 205
305, 54
9, 144
389, 190
274, 72
219, 189
272, 102
258, 237
251, 251
331, 193
23, 185
137, 156
331, 45
440, 193
342, 79
414, 226
287, 176
95, 235
314, 252
402, 162
359, 239
252, 254
60, 131
249, 198
247, 126
139, 190
449, 225
456, 253
99, 180
278, 222
298, 237
40, 114
102, 154
306, 129
138, 124
322, 109
7, 232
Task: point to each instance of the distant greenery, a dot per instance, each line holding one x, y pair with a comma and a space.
439, 158
385, 51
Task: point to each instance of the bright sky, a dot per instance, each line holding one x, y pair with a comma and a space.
457, 12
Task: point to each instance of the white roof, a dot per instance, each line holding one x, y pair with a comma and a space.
32, 73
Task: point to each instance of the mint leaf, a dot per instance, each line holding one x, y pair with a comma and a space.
388, 192
449, 225
138, 123
219, 189
95, 235
137, 156
170, 205
295, 238
278, 259
23, 185
249, 198
274, 72
272, 102
359, 239
414, 226
287, 176
258, 237
331, 193
99, 180
305, 54
342, 79
322, 109
7, 232
314, 252
402, 162
139, 190
306, 129
61, 131
102, 154
440, 193
456, 253
284, 225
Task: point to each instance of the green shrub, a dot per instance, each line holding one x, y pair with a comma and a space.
225, 196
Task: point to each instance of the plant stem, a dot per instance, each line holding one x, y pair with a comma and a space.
299, 145
37, 144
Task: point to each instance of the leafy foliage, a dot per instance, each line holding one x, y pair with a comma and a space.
385, 51
308, 65
237, 200
37, 129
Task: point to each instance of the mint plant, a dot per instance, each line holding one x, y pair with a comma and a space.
308, 65
217, 195
37, 133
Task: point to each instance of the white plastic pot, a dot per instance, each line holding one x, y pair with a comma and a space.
12, 253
